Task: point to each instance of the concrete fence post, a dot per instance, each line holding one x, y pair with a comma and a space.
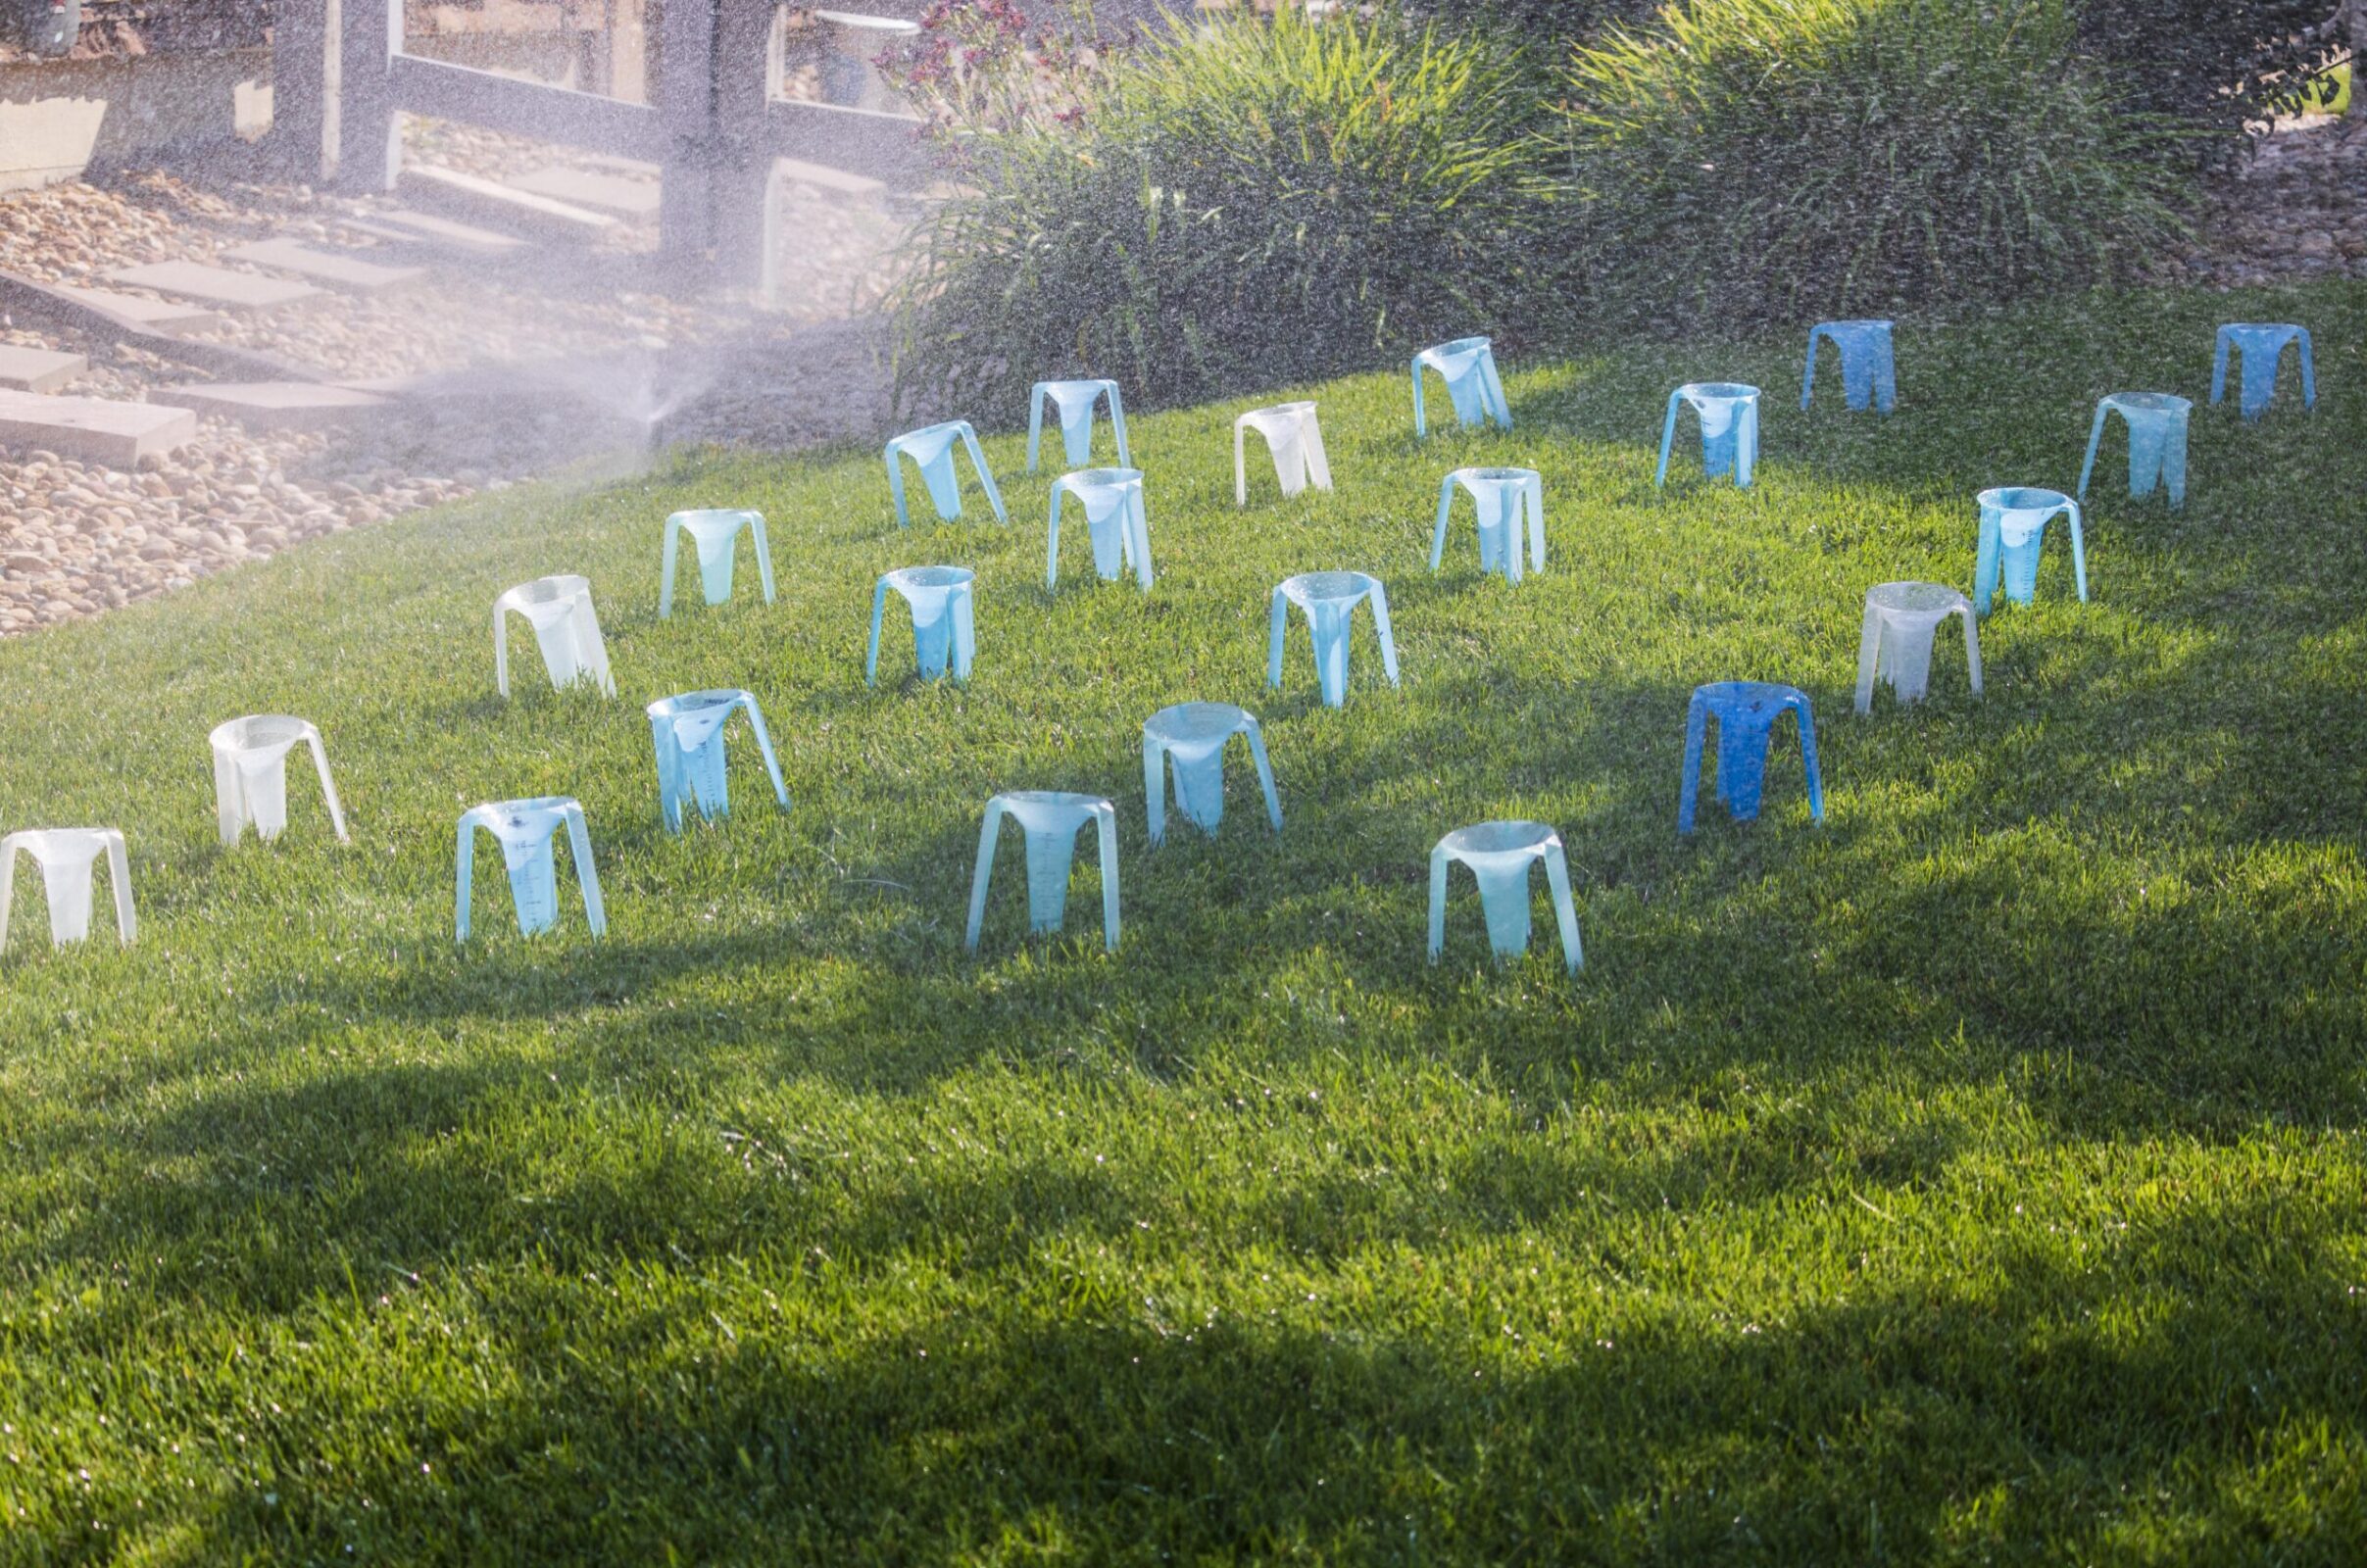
685, 98
744, 52
369, 149
300, 86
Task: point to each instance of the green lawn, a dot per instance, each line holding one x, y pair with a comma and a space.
1975, 1178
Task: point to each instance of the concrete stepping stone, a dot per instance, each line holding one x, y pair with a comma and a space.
160, 315
400, 226
347, 273
505, 204
825, 177
274, 405
38, 369
608, 193
216, 285
93, 429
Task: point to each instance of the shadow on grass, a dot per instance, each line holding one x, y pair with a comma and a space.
1388, 1427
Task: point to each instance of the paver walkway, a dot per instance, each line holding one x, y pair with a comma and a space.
216, 285
584, 187
503, 204
164, 316
94, 429
24, 369
347, 273
397, 225
274, 405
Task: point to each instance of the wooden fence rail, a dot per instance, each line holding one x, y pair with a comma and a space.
714, 126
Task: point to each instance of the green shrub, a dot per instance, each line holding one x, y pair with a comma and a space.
1250, 202
1754, 160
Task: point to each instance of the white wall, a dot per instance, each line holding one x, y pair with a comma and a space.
57, 117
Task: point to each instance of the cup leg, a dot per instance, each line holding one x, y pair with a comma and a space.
1870, 642
965, 631
1985, 565
119, 875
983, 872
329, 787
668, 756
230, 798
1439, 864
1266, 775
1136, 515
1565, 908
1155, 788
2095, 437
1493, 381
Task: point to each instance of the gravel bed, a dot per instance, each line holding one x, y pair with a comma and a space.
79, 538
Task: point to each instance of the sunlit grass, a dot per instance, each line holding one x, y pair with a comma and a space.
1973, 1178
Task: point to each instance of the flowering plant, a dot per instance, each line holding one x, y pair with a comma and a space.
979, 68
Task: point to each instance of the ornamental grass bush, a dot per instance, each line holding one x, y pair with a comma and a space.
1745, 160
1248, 203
